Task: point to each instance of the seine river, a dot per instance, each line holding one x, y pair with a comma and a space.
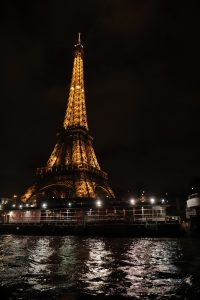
77, 268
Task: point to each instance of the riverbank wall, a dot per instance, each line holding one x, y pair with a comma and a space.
115, 230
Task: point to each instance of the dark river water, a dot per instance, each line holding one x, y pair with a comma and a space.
102, 268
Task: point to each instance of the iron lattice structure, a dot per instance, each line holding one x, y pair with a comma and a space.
72, 170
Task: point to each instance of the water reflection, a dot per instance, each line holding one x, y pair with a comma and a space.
11, 257
150, 266
133, 267
128, 267
97, 267
39, 257
39, 263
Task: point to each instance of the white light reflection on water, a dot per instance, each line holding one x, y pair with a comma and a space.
97, 267
132, 267
39, 255
150, 267
56, 266
39, 263
11, 259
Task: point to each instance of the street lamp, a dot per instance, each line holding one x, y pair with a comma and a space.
152, 200
44, 205
132, 201
98, 203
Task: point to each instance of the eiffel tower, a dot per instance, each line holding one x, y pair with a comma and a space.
72, 171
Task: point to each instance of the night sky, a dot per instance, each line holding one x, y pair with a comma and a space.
142, 74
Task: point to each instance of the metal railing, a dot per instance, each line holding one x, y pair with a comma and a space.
69, 168
87, 217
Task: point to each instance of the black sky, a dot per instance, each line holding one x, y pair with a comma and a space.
141, 80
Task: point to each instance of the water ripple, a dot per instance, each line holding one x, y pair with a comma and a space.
140, 268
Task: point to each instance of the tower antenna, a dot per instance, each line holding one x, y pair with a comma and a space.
79, 38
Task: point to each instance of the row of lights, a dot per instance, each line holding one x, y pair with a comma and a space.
21, 205
98, 203
44, 205
151, 200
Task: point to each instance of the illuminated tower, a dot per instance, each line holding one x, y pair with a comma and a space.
72, 170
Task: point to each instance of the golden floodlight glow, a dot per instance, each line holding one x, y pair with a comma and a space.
76, 109
72, 170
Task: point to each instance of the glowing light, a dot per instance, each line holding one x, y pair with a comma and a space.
152, 200
132, 201
44, 205
69, 204
99, 203
20, 206
27, 205
13, 205
14, 196
80, 153
163, 201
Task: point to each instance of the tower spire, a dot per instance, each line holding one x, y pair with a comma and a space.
79, 38
76, 110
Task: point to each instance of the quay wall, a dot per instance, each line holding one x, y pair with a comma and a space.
115, 230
